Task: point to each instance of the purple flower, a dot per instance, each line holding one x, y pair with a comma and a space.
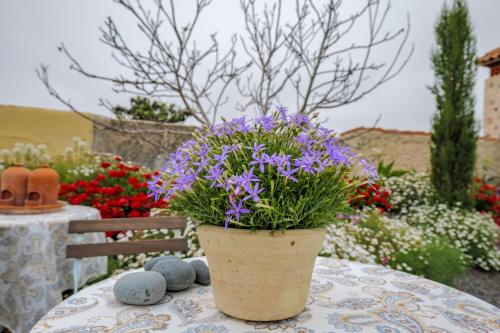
370, 170
254, 193
261, 161
305, 139
214, 174
287, 172
300, 119
325, 133
224, 153
237, 210
283, 112
248, 176
240, 125
306, 163
339, 155
267, 123
257, 148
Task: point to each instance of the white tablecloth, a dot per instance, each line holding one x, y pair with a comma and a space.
33, 267
344, 297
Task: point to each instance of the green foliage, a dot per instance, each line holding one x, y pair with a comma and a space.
387, 171
77, 163
454, 133
144, 109
374, 238
436, 260
312, 201
280, 172
473, 233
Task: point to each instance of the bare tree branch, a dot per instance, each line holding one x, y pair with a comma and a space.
312, 54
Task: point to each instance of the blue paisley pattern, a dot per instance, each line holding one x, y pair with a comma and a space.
344, 297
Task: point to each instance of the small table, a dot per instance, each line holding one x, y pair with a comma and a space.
344, 297
34, 270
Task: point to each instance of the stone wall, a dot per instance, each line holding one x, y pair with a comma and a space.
492, 107
144, 142
410, 149
150, 143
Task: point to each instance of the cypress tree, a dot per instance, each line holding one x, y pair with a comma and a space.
454, 132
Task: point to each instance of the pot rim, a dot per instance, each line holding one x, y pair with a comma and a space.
250, 231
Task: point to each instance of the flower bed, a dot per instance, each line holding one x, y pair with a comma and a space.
118, 190
487, 198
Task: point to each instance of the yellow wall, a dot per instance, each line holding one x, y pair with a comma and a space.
54, 128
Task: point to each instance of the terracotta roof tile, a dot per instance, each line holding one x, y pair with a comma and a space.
490, 58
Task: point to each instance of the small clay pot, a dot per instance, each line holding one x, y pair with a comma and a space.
43, 187
13, 188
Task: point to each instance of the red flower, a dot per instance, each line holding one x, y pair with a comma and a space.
132, 180
119, 192
135, 213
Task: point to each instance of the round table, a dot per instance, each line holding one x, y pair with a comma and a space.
344, 297
34, 270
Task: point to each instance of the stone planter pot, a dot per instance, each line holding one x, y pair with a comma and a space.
259, 277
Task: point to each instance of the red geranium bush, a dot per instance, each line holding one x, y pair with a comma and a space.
487, 198
371, 195
118, 190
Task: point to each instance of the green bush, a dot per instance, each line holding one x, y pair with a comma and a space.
473, 233
436, 260
376, 239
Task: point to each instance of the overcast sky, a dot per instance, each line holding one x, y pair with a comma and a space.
31, 30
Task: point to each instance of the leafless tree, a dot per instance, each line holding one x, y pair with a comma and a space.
315, 53
312, 54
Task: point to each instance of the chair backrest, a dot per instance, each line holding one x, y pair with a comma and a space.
130, 247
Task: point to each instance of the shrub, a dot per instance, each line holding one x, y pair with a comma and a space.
387, 170
409, 190
118, 190
368, 195
437, 260
473, 233
376, 239
487, 199
142, 108
371, 238
281, 172
454, 132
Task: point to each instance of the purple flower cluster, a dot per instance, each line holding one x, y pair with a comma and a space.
283, 145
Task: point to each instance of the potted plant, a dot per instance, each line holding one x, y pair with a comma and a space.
262, 193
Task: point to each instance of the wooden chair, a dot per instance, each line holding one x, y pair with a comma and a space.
79, 251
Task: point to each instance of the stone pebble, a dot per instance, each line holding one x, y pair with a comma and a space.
140, 288
153, 261
202, 272
179, 275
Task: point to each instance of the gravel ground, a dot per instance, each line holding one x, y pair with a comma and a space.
483, 285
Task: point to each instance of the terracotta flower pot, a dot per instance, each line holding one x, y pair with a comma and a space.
259, 277
43, 187
13, 188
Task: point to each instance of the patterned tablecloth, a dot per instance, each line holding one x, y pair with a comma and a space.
344, 297
33, 267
